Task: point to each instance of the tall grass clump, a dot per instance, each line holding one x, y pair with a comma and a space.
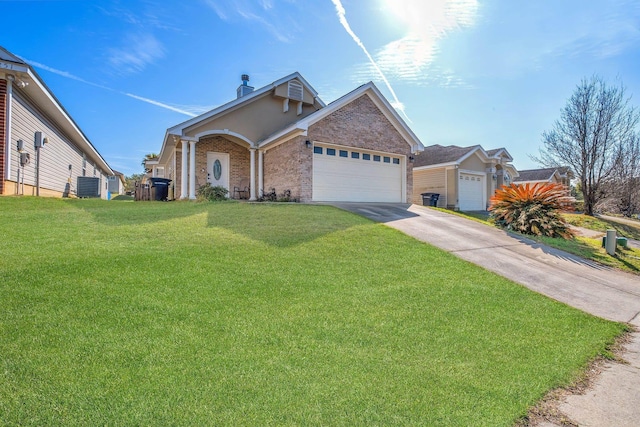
532, 209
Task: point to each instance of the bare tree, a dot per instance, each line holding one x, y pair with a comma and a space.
624, 188
593, 126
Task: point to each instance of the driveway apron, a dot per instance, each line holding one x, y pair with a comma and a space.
614, 398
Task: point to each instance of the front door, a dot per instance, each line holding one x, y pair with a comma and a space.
218, 169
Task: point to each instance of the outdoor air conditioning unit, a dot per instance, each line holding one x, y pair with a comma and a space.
88, 186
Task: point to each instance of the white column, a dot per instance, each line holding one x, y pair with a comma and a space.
260, 171
252, 188
192, 170
185, 176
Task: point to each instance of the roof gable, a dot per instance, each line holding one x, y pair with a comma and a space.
369, 90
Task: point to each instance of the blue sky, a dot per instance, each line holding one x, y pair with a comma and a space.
463, 72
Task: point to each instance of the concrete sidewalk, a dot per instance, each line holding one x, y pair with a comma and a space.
614, 398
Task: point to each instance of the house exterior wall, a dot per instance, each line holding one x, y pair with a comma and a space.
473, 163
361, 124
288, 166
3, 135
255, 121
430, 181
61, 162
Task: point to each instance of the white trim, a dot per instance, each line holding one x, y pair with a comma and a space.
7, 129
448, 165
221, 132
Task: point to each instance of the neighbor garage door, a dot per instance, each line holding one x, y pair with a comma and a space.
471, 192
352, 175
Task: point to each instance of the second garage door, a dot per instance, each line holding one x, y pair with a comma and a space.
471, 192
352, 175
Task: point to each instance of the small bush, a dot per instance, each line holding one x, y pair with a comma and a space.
272, 196
532, 209
211, 193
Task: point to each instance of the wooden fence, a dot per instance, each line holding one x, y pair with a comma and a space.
142, 191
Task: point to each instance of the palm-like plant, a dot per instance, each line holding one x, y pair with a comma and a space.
532, 209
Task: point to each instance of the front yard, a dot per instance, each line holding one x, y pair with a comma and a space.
120, 313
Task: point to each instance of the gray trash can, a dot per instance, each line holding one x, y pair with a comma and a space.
430, 199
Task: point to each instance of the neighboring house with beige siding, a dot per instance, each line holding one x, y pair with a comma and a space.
284, 137
42, 150
464, 177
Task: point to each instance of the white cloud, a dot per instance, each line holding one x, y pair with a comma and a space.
137, 51
263, 12
188, 110
410, 58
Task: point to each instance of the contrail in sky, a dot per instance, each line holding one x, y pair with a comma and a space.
343, 20
130, 95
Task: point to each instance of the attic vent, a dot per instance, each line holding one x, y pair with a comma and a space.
295, 90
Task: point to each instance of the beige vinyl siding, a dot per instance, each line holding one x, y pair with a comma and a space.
55, 157
430, 181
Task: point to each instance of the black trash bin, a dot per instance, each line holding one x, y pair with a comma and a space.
159, 188
430, 199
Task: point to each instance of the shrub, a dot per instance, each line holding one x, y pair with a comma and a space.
211, 193
532, 209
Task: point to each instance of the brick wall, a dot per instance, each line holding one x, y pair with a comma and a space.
3, 130
288, 167
361, 124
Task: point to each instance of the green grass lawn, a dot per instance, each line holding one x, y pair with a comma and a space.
152, 313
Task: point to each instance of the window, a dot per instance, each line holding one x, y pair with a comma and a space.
344, 153
366, 156
387, 159
355, 155
317, 150
331, 152
396, 161
376, 158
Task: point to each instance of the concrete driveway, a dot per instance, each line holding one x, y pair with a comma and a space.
615, 397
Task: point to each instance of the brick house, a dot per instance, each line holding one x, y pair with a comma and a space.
283, 137
43, 152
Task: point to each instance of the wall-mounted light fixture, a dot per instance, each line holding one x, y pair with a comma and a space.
494, 177
308, 143
411, 159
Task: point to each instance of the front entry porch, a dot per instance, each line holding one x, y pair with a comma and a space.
220, 161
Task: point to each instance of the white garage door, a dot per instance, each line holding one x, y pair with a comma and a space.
471, 192
352, 175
